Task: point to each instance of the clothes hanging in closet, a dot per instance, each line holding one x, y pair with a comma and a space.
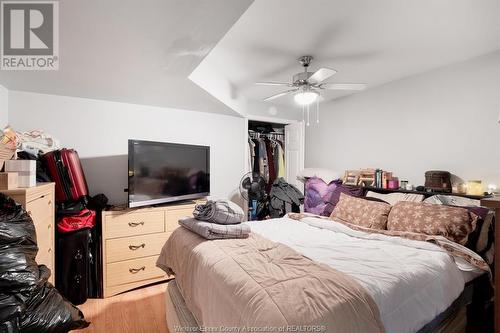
266, 157
251, 154
279, 160
263, 162
270, 164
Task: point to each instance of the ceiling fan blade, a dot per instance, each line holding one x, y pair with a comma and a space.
344, 86
279, 94
321, 75
273, 84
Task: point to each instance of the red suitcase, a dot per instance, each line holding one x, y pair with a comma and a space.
66, 171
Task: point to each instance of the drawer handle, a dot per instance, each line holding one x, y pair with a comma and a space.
136, 247
135, 224
136, 270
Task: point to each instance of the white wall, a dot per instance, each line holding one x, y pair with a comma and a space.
99, 131
4, 106
446, 119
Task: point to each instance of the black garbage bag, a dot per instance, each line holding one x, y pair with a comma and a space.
28, 303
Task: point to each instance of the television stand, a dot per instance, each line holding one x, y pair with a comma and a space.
132, 239
181, 202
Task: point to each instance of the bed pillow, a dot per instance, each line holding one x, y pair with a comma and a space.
358, 211
454, 223
481, 239
452, 200
326, 174
394, 198
318, 195
349, 190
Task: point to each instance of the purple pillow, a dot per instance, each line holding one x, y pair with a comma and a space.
318, 195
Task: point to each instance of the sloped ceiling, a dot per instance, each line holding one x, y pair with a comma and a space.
205, 55
133, 51
366, 41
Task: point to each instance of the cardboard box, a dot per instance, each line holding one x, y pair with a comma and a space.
26, 179
20, 166
8, 180
6, 153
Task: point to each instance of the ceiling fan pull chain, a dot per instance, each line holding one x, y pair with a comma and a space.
317, 110
308, 115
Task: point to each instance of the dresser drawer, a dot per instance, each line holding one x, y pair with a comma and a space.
133, 224
45, 240
41, 209
173, 216
133, 270
119, 249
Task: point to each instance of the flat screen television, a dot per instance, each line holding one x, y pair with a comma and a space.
160, 172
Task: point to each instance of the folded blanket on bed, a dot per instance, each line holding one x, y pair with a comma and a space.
220, 211
210, 230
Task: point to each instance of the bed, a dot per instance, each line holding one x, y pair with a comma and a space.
387, 284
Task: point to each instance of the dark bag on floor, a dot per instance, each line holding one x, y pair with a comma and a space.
73, 216
73, 265
28, 303
66, 171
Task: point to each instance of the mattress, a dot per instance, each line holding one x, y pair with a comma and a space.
180, 319
411, 282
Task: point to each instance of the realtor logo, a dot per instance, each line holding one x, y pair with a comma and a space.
30, 35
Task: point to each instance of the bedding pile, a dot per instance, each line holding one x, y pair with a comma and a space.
219, 219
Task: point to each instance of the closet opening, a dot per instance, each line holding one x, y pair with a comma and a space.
275, 150
267, 151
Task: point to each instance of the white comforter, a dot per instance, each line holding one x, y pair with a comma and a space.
411, 281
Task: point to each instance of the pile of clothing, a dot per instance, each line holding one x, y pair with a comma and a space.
220, 219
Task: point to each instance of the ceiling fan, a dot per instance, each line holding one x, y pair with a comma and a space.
306, 86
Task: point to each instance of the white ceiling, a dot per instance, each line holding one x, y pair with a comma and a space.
143, 52
366, 41
133, 51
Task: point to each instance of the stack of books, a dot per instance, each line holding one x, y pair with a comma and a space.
382, 178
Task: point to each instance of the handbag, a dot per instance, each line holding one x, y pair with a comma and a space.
84, 219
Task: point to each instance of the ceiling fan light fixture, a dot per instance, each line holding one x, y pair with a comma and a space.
306, 97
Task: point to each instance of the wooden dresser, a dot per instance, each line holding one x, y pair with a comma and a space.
39, 202
132, 240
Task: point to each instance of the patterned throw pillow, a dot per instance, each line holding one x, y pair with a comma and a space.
346, 189
362, 212
453, 223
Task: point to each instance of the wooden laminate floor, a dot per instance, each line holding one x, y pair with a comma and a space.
137, 311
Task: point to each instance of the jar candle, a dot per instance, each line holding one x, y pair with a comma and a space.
474, 187
462, 188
